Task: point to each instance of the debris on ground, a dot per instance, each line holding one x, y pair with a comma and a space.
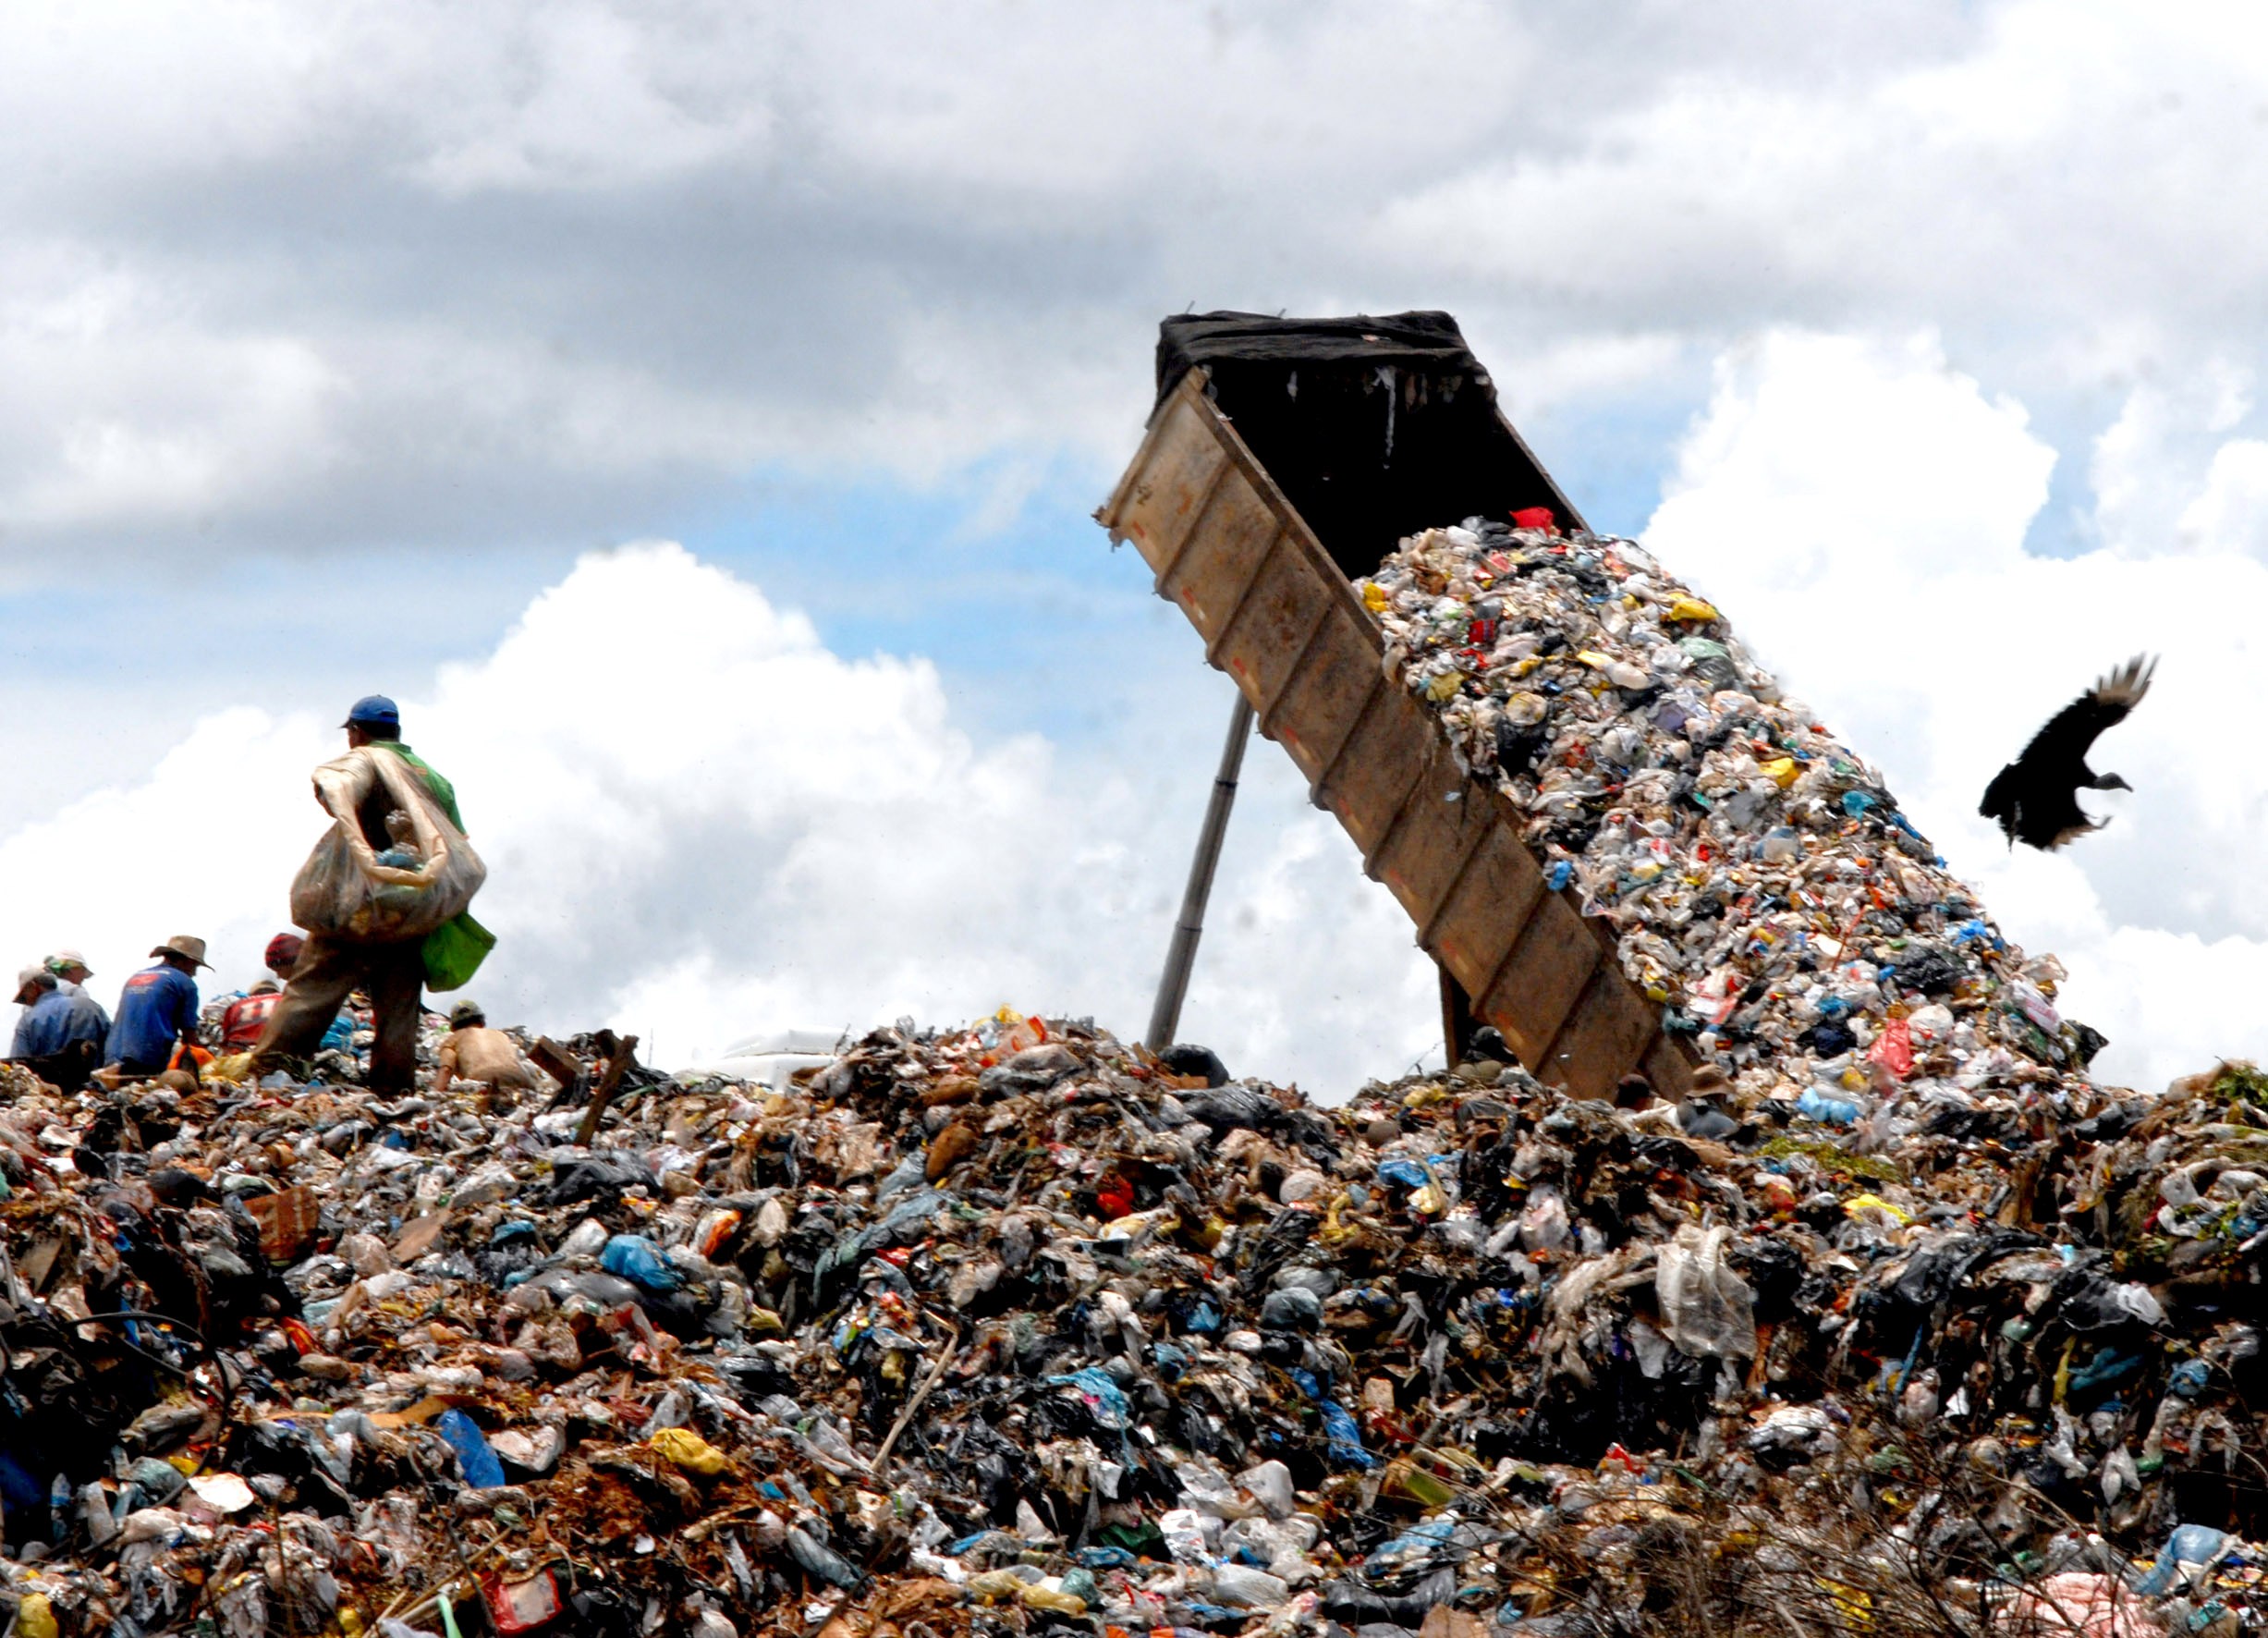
1012, 1328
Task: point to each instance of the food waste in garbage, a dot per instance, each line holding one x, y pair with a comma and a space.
1898, 1324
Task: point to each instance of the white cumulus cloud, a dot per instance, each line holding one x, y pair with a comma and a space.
403, 271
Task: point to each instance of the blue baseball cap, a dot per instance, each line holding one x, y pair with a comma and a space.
372, 711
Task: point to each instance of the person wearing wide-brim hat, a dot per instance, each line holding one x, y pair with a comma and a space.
157, 1009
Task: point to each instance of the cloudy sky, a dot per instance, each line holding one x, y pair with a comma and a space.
693, 414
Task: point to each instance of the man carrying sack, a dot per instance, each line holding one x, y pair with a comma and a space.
384, 899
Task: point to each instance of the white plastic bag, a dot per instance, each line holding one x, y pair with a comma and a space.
344, 892
1707, 1309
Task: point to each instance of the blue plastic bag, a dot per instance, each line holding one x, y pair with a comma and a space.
1106, 1401
1836, 1111
1342, 1432
637, 1259
1344, 1436
1414, 1548
2190, 1543
481, 1469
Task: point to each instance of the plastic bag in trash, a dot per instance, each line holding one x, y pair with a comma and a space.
343, 891
482, 1471
639, 1260
453, 952
2190, 1551
1707, 1309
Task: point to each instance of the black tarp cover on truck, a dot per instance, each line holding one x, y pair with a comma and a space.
1374, 427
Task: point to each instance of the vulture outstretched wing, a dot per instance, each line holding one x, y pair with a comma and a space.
2072, 732
2035, 796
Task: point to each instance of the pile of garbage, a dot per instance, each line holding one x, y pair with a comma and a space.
1012, 1329
1762, 882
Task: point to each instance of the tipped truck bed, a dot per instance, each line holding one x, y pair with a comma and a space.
1283, 619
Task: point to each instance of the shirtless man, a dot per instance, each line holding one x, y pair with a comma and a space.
473, 1052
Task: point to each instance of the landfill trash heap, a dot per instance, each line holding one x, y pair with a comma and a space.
1009, 1328
1900, 1325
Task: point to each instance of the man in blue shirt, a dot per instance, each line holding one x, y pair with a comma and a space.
35, 988
60, 1036
157, 1009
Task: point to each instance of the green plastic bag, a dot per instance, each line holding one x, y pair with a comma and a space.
454, 952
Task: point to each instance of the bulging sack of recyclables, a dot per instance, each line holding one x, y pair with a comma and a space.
344, 892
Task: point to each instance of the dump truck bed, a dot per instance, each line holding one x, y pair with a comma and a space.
1281, 616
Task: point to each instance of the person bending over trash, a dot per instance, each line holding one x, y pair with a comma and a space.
157, 1010
392, 874
233, 1022
237, 1018
473, 1052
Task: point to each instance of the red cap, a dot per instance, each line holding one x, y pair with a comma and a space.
283, 951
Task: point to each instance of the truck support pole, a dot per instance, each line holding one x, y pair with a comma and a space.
1458, 1022
1165, 1016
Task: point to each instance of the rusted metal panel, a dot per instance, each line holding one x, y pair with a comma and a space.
1439, 828
1373, 776
1667, 1067
1286, 604
1278, 616
1209, 577
1547, 971
1486, 911
1604, 1036
1323, 697
1168, 487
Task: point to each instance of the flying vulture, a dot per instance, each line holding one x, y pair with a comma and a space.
2035, 798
